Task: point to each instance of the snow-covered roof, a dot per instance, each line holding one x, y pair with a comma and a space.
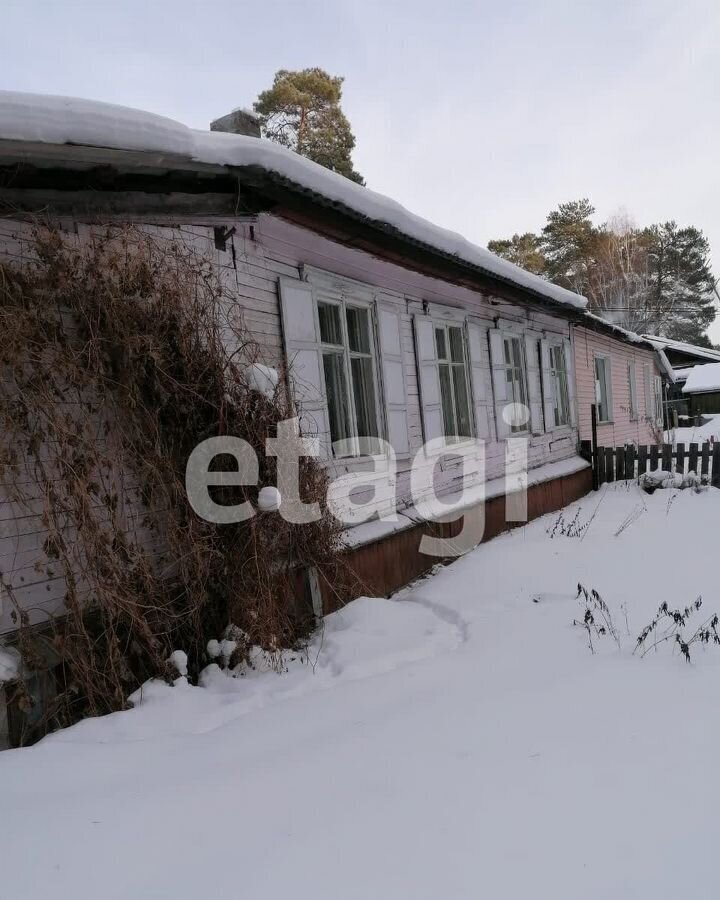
618, 329
682, 347
682, 374
703, 378
64, 120
593, 321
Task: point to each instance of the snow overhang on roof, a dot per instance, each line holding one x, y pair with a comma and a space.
50, 120
598, 323
662, 343
680, 374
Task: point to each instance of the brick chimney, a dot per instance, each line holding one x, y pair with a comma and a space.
239, 121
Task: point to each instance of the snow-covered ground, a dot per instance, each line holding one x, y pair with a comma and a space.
460, 742
697, 435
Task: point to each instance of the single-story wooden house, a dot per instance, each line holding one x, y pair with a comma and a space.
389, 326
621, 373
679, 359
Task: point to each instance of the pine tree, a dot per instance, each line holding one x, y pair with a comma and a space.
522, 249
568, 242
302, 111
682, 287
656, 280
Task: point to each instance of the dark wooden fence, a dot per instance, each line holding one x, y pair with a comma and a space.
622, 463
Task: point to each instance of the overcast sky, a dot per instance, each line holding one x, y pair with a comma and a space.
480, 116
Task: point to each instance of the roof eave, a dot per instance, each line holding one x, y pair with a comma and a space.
83, 158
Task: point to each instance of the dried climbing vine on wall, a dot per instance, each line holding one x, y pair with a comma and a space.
120, 354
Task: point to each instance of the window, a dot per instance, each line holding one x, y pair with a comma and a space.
559, 386
632, 391
348, 356
603, 389
454, 390
515, 377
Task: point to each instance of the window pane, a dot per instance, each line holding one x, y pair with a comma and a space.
562, 400
462, 401
330, 327
507, 345
364, 396
558, 358
516, 353
521, 394
358, 329
440, 343
336, 396
456, 344
449, 426
602, 397
632, 390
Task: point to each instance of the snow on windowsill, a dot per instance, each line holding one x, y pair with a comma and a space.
379, 529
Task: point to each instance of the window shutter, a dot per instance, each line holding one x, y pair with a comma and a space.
499, 381
658, 415
607, 377
548, 385
393, 377
532, 366
632, 389
607, 369
304, 359
481, 380
649, 414
428, 378
570, 370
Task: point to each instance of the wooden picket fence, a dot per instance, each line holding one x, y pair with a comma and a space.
624, 463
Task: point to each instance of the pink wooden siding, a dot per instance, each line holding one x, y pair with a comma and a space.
622, 428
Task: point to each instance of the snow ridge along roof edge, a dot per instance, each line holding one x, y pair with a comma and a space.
47, 119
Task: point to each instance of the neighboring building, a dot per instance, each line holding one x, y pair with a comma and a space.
702, 389
680, 358
621, 374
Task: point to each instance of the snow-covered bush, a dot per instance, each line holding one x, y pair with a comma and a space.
659, 478
235, 655
9, 664
179, 662
262, 379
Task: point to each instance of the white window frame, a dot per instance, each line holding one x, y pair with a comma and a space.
558, 347
445, 325
632, 392
516, 431
343, 303
607, 371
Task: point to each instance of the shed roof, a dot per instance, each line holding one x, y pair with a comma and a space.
683, 347
702, 379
